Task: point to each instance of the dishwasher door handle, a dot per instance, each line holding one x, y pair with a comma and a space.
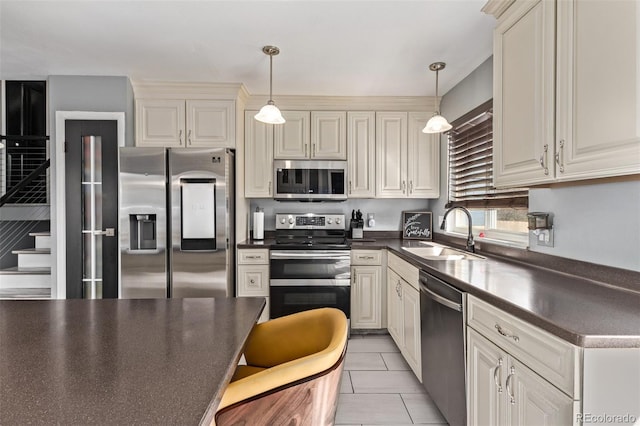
441, 300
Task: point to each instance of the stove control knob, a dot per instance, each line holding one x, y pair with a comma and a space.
329, 221
291, 220
338, 221
283, 220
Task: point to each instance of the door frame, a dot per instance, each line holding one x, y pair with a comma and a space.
58, 208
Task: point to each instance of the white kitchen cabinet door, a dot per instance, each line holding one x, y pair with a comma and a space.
395, 316
598, 84
411, 325
328, 135
391, 148
486, 372
211, 123
361, 154
423, 159
532, 401
292, 139
160, 122
366, 294
253, 280
258, 158
524, 72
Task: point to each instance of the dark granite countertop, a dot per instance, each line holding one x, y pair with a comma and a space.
584, 312
152, 361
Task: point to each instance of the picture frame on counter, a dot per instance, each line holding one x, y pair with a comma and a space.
417, 225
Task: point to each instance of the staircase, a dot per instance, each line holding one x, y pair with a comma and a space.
31, 279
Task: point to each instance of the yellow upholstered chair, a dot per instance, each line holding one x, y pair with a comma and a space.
293, 372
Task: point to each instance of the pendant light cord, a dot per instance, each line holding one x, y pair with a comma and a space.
271, 77
436, 100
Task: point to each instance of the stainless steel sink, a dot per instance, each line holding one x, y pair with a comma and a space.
434, 251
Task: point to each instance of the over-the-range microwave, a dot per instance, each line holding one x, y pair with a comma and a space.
310, 180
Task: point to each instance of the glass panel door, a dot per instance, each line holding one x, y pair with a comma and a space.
92, 217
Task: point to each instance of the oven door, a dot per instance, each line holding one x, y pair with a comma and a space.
308, 279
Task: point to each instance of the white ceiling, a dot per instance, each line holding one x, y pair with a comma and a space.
328, 47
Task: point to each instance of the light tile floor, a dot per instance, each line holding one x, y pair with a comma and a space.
379, 388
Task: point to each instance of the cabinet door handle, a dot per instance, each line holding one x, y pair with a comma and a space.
512, 396
305, 149
560, 156
252, 257
180, 137
496, 379
505, 334
404, 186
269, 187
399, 290
410, 187
543, 159
313, 150
350, 186
189, 136
252, 281
354, 276
367, 257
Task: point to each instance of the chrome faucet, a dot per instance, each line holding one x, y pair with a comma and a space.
470, 245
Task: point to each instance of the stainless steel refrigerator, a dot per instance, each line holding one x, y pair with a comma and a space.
176, 220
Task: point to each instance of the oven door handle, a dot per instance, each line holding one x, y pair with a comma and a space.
310, 282
311, 254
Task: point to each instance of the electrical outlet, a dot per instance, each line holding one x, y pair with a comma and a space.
544, 237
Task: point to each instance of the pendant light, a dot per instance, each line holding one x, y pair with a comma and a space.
437, 123
270, 113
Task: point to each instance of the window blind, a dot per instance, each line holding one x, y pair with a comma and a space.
471, 164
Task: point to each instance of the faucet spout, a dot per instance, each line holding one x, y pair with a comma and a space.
470, 243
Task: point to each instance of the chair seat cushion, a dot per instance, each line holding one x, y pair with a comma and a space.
243, 371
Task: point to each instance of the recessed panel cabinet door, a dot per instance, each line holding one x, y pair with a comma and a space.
598, 112
366, 292
423, 159
524, 71
411, 324
291, 139
328, 135
258, 161
391, 148
361, 155
394, 308
211, 123
160, 122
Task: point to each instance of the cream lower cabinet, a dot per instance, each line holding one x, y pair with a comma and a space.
518, 374
366, 289
403, 310
503, 391
179, 123
253, 276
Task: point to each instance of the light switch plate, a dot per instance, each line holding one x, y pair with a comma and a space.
544, 237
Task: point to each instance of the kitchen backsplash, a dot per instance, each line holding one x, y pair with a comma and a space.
387, 212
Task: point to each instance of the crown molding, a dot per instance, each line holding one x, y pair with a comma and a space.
345, 103
188, 90
496, 7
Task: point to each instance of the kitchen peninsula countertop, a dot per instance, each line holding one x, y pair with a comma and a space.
148, 361
581, 311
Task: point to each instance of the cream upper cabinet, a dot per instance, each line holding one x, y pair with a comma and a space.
523, 70
258, 157
328, 135
598, 89
566, 91
423, 159
210, 123
391, 149
185, 123
408, 162
361, 154
292, 139
160, 122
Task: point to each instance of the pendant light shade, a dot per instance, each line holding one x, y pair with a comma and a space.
437, 123
270, 113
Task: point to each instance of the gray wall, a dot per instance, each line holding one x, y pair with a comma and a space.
91, 93
388, 212
595, 223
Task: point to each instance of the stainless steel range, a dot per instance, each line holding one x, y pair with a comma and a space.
310, 264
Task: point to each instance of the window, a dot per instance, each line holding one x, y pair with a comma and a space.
497, 214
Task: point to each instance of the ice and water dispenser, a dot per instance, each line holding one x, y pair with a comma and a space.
143, 232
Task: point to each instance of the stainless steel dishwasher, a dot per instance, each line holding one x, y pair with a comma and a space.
442, 309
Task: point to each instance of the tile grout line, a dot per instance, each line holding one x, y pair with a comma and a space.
406, 408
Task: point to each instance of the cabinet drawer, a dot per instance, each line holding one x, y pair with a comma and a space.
253, 257
551, 357
403, 268
366, 257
